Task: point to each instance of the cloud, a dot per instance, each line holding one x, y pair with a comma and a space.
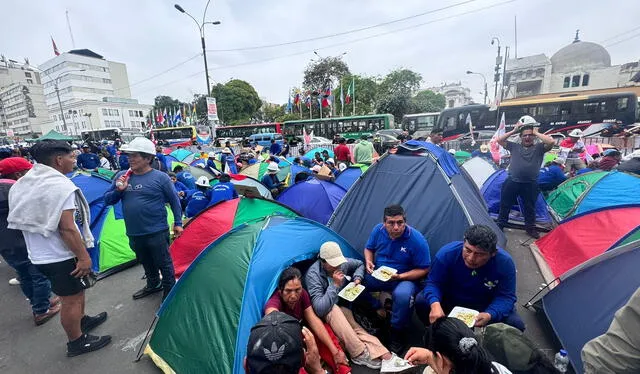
151, 37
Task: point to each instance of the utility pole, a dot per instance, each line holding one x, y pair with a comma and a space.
496, 76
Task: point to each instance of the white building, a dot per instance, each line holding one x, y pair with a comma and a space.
579, 66
93, 92
23, 112
455, 94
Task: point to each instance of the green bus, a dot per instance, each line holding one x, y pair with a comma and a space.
350, 128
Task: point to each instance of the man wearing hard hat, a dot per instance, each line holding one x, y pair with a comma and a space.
144, 192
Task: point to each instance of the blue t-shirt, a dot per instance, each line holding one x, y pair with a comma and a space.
88, 161
222, 191
123, 160
112, 150
584, 170
552, 175
163, 160
211, 164
270, 181
490, 288
143, 202
275, 149
409, 251
198, 201
187, 179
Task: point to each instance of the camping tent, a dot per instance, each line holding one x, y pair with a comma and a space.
594, 190
479, 169
491, 193
582, 306
203, 325
259, 169
462, 156
180, 154
439, 200
245, 181
54, 135
214, 221
314, 198
584, 236
310, 154
350, 175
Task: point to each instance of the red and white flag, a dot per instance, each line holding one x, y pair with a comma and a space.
55, 47
496, 149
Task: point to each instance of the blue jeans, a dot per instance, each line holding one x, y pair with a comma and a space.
34, 284
423, 308
402, 294
152, 251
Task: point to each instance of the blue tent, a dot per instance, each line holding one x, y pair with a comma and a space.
491, 193
169, 161
295, 169
349, 176
181, 154
439, 200
582, 306
311, 153
314, 199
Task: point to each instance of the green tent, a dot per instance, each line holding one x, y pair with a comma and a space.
462, 156
563, 200
54, 135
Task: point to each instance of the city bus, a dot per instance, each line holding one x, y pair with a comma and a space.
350, 128
240, 132
419, 122
174, 136
557, 115
99, 135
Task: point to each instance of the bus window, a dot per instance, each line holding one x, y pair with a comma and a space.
450, 124
623, 103
591, 108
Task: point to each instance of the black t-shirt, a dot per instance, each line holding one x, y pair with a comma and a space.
525, 161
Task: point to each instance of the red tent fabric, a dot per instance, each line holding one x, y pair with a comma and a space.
583, 237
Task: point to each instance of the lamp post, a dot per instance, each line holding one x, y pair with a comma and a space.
88, 115
485, 83
496, 76
201, 29
73, 121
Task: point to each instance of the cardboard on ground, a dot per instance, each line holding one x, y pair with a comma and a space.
324, 173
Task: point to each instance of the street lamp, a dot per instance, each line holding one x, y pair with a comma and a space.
73, 120
201, 28
88, 115
485, 83
496, 76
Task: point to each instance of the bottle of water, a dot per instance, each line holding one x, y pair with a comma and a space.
561, 361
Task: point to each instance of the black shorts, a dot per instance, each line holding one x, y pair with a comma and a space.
59, 274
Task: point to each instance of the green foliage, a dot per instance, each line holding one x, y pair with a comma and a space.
238, 102
366, 91
324, 72
428, 101
162, 102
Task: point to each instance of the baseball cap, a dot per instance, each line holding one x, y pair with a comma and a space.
13, 165
275, 339
332, 254
611, 152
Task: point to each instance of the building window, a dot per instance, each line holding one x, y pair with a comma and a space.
585, 80
28, 75
575, 81
567, 81
104, 112
30, 81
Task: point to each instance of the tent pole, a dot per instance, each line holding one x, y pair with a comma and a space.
139, 355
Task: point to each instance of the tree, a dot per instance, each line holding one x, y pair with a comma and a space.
238, 102
324, 72
163, 102
366, 92
428, 101
396, 92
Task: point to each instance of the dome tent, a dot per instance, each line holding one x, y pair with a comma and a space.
314, 199
479, 169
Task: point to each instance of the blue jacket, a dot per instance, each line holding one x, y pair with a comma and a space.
222, 191
180, 187
271, 181
187, 179
198, 201
551, 175
275, 148
88, 161
143, 202
123, 160
490, 288
163, 161
112, 150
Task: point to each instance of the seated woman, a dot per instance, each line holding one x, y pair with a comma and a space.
453, 348
292, 299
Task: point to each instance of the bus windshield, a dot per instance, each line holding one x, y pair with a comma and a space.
419, 122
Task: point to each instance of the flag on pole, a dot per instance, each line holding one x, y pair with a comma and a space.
496, 149
178, 117
341, 96
164, 116
305, 136
320, 106
307, 101
350, 92
326, 98
55, 47
469, 123
289, 107
160, 118
194, 115
296, 98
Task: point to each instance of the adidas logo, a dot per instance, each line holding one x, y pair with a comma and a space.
275, 353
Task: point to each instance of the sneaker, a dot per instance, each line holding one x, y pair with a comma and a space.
89, 323
40, 319
364, 359
14, 282
87, 343
532, 232
54, 301
147, 291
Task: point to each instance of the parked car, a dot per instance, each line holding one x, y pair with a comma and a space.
393, 132
382, 142
480, 136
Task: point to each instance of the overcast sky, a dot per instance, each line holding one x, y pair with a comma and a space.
151, 36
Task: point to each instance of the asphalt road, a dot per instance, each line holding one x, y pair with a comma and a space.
25, 348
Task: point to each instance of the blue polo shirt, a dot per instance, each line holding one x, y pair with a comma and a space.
410, 251
187, 179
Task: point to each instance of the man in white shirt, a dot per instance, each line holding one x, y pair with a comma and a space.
58, 249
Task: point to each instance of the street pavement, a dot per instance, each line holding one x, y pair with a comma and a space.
25, 348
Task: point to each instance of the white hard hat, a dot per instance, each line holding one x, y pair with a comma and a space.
212, 154
452, 151
273, 168
576, 133
342, 166
73, 146
202, 181
528, 121
141, 145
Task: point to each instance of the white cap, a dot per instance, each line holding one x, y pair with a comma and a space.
226, 150
332, 254
211, 154
528, 121
576, 133
452, 151
141, 145
273, 168
202, 181
316, 168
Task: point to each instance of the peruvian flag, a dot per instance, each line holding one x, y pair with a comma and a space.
350, 92
326, 98
496, 149
55, 47
160, 118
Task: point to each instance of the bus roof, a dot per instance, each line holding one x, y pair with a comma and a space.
250, 124
421, 114
632, 89
575, 97
171, 128
339, 118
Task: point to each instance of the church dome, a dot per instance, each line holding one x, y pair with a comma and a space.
580, 55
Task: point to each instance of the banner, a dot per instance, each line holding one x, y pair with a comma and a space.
212, 109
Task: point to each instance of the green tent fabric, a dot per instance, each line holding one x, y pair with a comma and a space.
563, 200
549, 156
462, 156
54, 135
105, 173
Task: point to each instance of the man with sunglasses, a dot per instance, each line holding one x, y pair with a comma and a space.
526, 160
399, 246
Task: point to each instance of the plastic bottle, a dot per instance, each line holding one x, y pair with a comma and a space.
561, 361
125, 177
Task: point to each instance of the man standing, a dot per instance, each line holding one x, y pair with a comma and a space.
435, 137
275, 148
342, 152
325, 279
474, 274
162, 159
363, 152
285, 149
399, 246
526, 159
211, 163
88, 160
53, 239
144, 193
35, 286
